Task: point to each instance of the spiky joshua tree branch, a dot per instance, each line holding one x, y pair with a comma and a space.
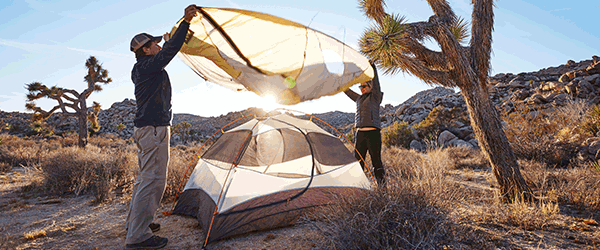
69, 101
399, 46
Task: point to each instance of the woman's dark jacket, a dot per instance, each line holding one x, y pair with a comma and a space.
367, 105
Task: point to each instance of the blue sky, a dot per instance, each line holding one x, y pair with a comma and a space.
49, 41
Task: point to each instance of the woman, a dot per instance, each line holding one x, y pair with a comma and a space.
368, 124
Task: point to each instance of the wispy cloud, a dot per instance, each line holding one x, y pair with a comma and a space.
31, 47
49, 48
98, 52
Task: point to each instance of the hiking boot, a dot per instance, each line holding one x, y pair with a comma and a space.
155, 227
154, 242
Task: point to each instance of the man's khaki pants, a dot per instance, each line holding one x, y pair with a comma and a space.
153, 158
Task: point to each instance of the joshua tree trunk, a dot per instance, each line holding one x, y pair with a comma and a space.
82, 115
495, 146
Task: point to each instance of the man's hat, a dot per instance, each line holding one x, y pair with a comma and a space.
140, 39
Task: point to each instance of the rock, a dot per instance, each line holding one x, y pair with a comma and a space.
417, 146
474, 142
445, 138
400, 110
460, 143
571, 88
593, 69
536, 99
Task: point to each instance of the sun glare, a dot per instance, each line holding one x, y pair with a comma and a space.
268, 103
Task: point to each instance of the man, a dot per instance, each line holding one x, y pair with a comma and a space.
152, 131
368, 124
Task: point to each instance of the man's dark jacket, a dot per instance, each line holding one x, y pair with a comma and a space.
152, 84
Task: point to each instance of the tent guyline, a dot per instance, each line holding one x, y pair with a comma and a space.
266, 173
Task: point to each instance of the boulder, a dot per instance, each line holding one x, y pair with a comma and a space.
417, 146
445, 138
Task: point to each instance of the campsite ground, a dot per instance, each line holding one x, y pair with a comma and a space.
31, 222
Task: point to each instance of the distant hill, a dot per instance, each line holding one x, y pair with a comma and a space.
544, 89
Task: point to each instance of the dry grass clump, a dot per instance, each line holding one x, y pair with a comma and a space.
389, 218
408, 212
521, 214
17, 151
106, 166
182, 157
57, 166
92, 170
579, 185
430, 201
466, 158
550, 137
5, 167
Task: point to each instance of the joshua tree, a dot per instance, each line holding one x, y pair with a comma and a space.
71, 102
396, 45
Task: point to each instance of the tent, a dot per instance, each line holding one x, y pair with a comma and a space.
271, 56
266, 173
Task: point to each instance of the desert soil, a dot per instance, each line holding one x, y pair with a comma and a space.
42, 222
76, 223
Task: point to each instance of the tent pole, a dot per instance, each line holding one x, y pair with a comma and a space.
233, 165
356, 150
196, 155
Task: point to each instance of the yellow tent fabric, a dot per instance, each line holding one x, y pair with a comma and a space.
271, 56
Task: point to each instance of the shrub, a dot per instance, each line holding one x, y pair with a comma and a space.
398, 218
592, 122
439, 119
4, 125
520, 214
5, 167
120, 127
180, 159
40, 128
542, 136
397, 134
596, 166
409, 212
90, 170
578, 185
350, 135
